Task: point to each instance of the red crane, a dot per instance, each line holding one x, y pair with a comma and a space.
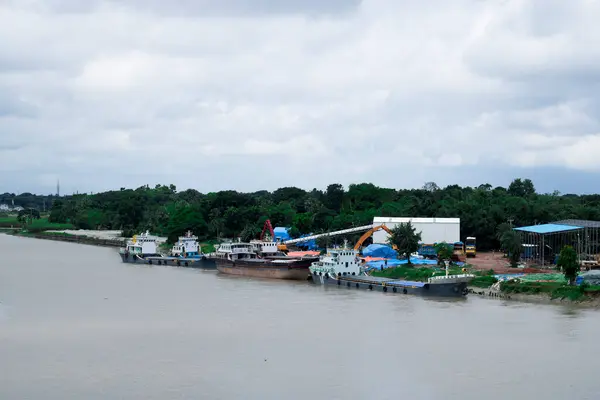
266, 226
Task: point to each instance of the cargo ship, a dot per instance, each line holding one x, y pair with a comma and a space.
142, 249
261, 260
342, 267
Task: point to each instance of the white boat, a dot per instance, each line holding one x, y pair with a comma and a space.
343, 268
187, 247
139, 247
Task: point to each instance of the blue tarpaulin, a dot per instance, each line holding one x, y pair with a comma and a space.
281, 233
307, 244
391, 263
379, 250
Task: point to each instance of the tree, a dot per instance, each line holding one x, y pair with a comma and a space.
521, 188
510, 241
444, 251
568, 263
431, 187
404, 237
28, 215
250, 231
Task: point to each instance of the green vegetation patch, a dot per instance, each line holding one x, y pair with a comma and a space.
483, 281
42, 224
556, 290
8, 221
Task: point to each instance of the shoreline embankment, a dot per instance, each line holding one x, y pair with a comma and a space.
81, 239
489, 292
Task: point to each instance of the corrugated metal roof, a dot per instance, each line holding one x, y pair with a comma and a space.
579, 222
548, 228
415, 220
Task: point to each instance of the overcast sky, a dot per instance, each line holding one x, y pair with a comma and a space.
259, 94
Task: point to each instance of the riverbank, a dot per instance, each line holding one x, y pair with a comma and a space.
591, 302
487, 285
81, 239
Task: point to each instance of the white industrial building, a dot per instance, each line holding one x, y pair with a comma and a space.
433, 230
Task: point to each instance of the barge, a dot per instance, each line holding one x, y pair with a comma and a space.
261, 260
142, 249
342, 267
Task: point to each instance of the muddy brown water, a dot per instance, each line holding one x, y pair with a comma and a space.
76, 323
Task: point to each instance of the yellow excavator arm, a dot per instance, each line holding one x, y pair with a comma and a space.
370, 232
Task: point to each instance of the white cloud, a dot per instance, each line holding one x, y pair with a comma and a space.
296, 92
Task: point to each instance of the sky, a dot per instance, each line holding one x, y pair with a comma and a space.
260, 94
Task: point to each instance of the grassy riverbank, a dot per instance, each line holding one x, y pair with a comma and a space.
37, 225
516, 290
553, 290
483, 279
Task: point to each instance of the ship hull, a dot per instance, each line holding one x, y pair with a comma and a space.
437, 289
192, 262
296, 270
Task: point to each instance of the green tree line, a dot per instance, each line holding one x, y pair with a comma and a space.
166, 211
28, 200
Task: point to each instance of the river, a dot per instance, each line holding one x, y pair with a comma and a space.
76, 323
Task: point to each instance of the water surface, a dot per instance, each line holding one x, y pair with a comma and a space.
76, 323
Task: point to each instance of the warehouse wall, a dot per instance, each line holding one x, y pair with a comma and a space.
432, 229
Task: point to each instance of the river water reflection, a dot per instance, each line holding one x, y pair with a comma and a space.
76, 323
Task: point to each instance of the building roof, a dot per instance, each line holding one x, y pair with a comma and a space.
548, 228
579, 222
415, 220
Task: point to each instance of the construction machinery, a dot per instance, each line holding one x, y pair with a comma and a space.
470, 248
268, 228
370, 232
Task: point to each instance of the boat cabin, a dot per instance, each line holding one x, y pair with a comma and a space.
265, 248
142, 244
338, 262
186, 246
236, 251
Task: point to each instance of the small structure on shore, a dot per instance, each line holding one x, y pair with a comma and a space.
542, 243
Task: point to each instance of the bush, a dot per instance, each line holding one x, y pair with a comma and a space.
483, 281
41, 225
128, 233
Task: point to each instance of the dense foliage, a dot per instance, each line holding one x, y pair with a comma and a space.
166, 211
568, 263
510, 242
444, 251
404, 239
28, 200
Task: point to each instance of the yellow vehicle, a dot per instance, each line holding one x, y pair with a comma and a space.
471, 249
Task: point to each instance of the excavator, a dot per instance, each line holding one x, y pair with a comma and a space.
267, 226
370, 232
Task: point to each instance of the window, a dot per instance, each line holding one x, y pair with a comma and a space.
346, 264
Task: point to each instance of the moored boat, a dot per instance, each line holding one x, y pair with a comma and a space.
342, 267
187, 247
185, 253
139, 248
262, 260
142, 249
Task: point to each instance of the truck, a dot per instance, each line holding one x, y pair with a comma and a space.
470, 246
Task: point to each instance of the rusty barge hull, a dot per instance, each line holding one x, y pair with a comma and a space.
292, 270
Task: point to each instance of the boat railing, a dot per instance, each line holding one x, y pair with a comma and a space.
458, 276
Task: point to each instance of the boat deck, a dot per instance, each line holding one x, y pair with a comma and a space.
380, 281
172, 258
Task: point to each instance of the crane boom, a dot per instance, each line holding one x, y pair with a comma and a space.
342, 232
369, 233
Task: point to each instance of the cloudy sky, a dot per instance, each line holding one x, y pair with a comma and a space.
259, 94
